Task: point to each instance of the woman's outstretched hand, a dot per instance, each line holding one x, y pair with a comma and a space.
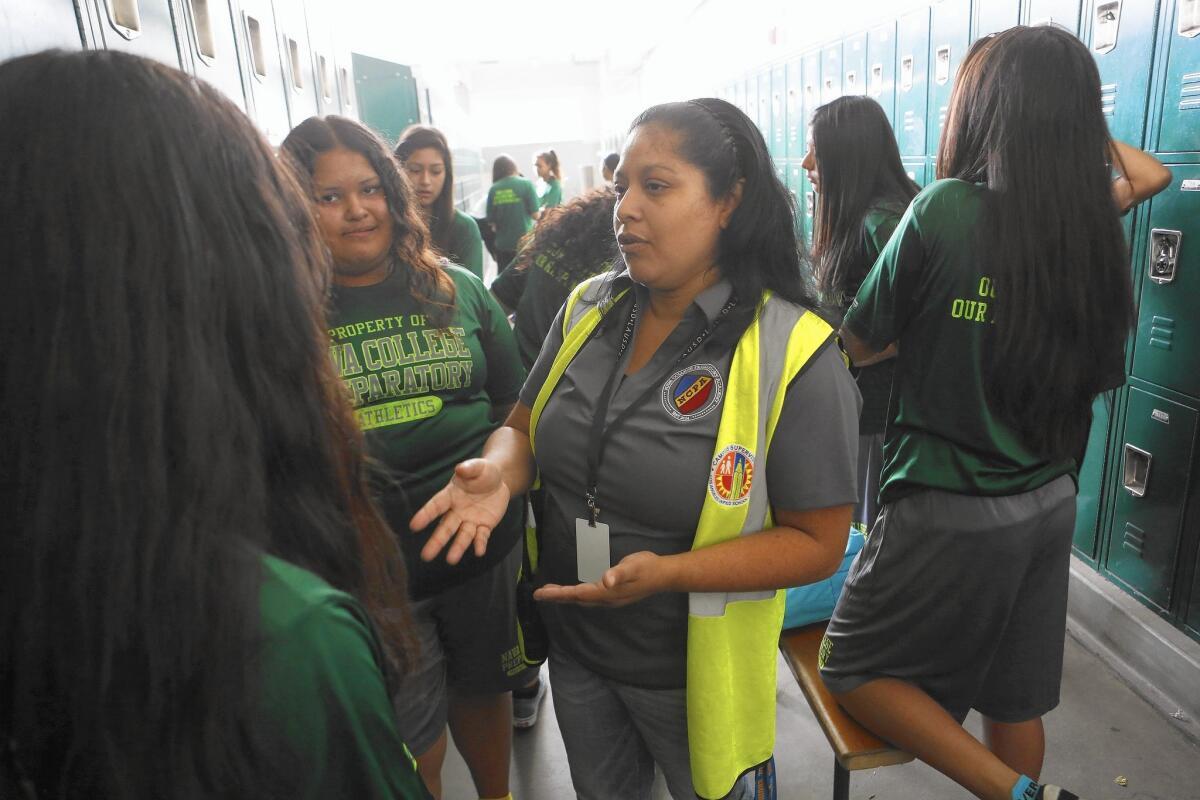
470, 505
637, 576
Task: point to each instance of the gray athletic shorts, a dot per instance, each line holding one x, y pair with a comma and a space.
468, 640
963, 596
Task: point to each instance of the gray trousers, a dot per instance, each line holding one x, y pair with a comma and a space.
615, 734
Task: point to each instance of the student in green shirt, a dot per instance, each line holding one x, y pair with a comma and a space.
427, 359
1004, 295
425, 157
854, 165
512, 206
549, 170
192, 575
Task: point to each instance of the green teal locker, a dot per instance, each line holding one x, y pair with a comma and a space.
781, 172
881, 68
796, 130
266, 96
831, 72
854, 64
1152, 489
778, 141
209, 48
795, 186
993, 16
917, 171
912, 68
763, 115
323, 44
387, 95
298, 77
808, 197
1064, 13
145, 28
1167, 348
1121, 36
40, 26
1091, 480
812, 92
949, 37
1179, 124
752, 98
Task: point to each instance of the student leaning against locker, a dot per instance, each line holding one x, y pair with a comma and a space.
694, 426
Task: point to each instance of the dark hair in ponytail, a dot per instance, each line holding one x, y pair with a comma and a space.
551, 159
1025, 118
758, 249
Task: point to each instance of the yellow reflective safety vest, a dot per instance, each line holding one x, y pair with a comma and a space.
732, 637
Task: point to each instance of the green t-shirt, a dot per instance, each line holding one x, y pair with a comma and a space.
553, 195
424, 397
511, 204
323, 680
466, 245
927, 291
875, 382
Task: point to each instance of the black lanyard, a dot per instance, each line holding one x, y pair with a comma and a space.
599, 435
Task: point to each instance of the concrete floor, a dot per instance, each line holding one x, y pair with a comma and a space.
1100, 732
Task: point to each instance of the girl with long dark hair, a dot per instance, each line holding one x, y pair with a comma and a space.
854, 165
1006, 289
425, 157
428, 360
694, 428
193, 579
512, 206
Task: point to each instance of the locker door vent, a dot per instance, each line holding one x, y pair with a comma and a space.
1162, 333
1134, 540
1189, 92
910, 121
1108, 99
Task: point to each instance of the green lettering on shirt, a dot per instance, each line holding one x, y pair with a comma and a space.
505, 197
398, 412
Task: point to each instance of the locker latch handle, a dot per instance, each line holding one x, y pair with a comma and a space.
1189, 18
1107, 23
125, 16
906, 73
1164, 255
1137, 470
942, 65
876, 80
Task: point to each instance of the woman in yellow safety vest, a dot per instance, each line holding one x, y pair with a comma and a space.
694, 427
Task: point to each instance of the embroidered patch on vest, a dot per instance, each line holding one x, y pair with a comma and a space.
693, 392
732, 474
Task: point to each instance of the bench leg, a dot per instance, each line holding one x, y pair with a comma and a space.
841, 781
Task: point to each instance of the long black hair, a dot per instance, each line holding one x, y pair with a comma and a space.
503, 166
441, 218
758, 249
1025, 118
168, 414
412, 245
860, 169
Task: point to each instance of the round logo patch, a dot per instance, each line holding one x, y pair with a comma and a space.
732, 474
693, 392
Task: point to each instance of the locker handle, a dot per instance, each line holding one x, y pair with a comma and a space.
906, 73
1189, 18
1106, 25
293, 50
323, 78
206, 46
258, 59
344, 85
1136, 472
876, 80
942, 65
851, 82
1164, 255
125, 16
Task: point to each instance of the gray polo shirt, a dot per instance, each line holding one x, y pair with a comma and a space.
655, 474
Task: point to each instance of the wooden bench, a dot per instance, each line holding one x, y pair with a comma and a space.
854, 747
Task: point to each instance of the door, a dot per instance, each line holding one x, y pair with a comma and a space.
1167, 348
1121, 37
854, 65
208, 41
795, 185
881, 68
1153, 476
763, 116
387, 95
811, 98
142, 27
779, 114
1179, 124
1091, 480
301, 82
266, 96
949, 34
322, 39
796, 133
831, 72
912, 67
